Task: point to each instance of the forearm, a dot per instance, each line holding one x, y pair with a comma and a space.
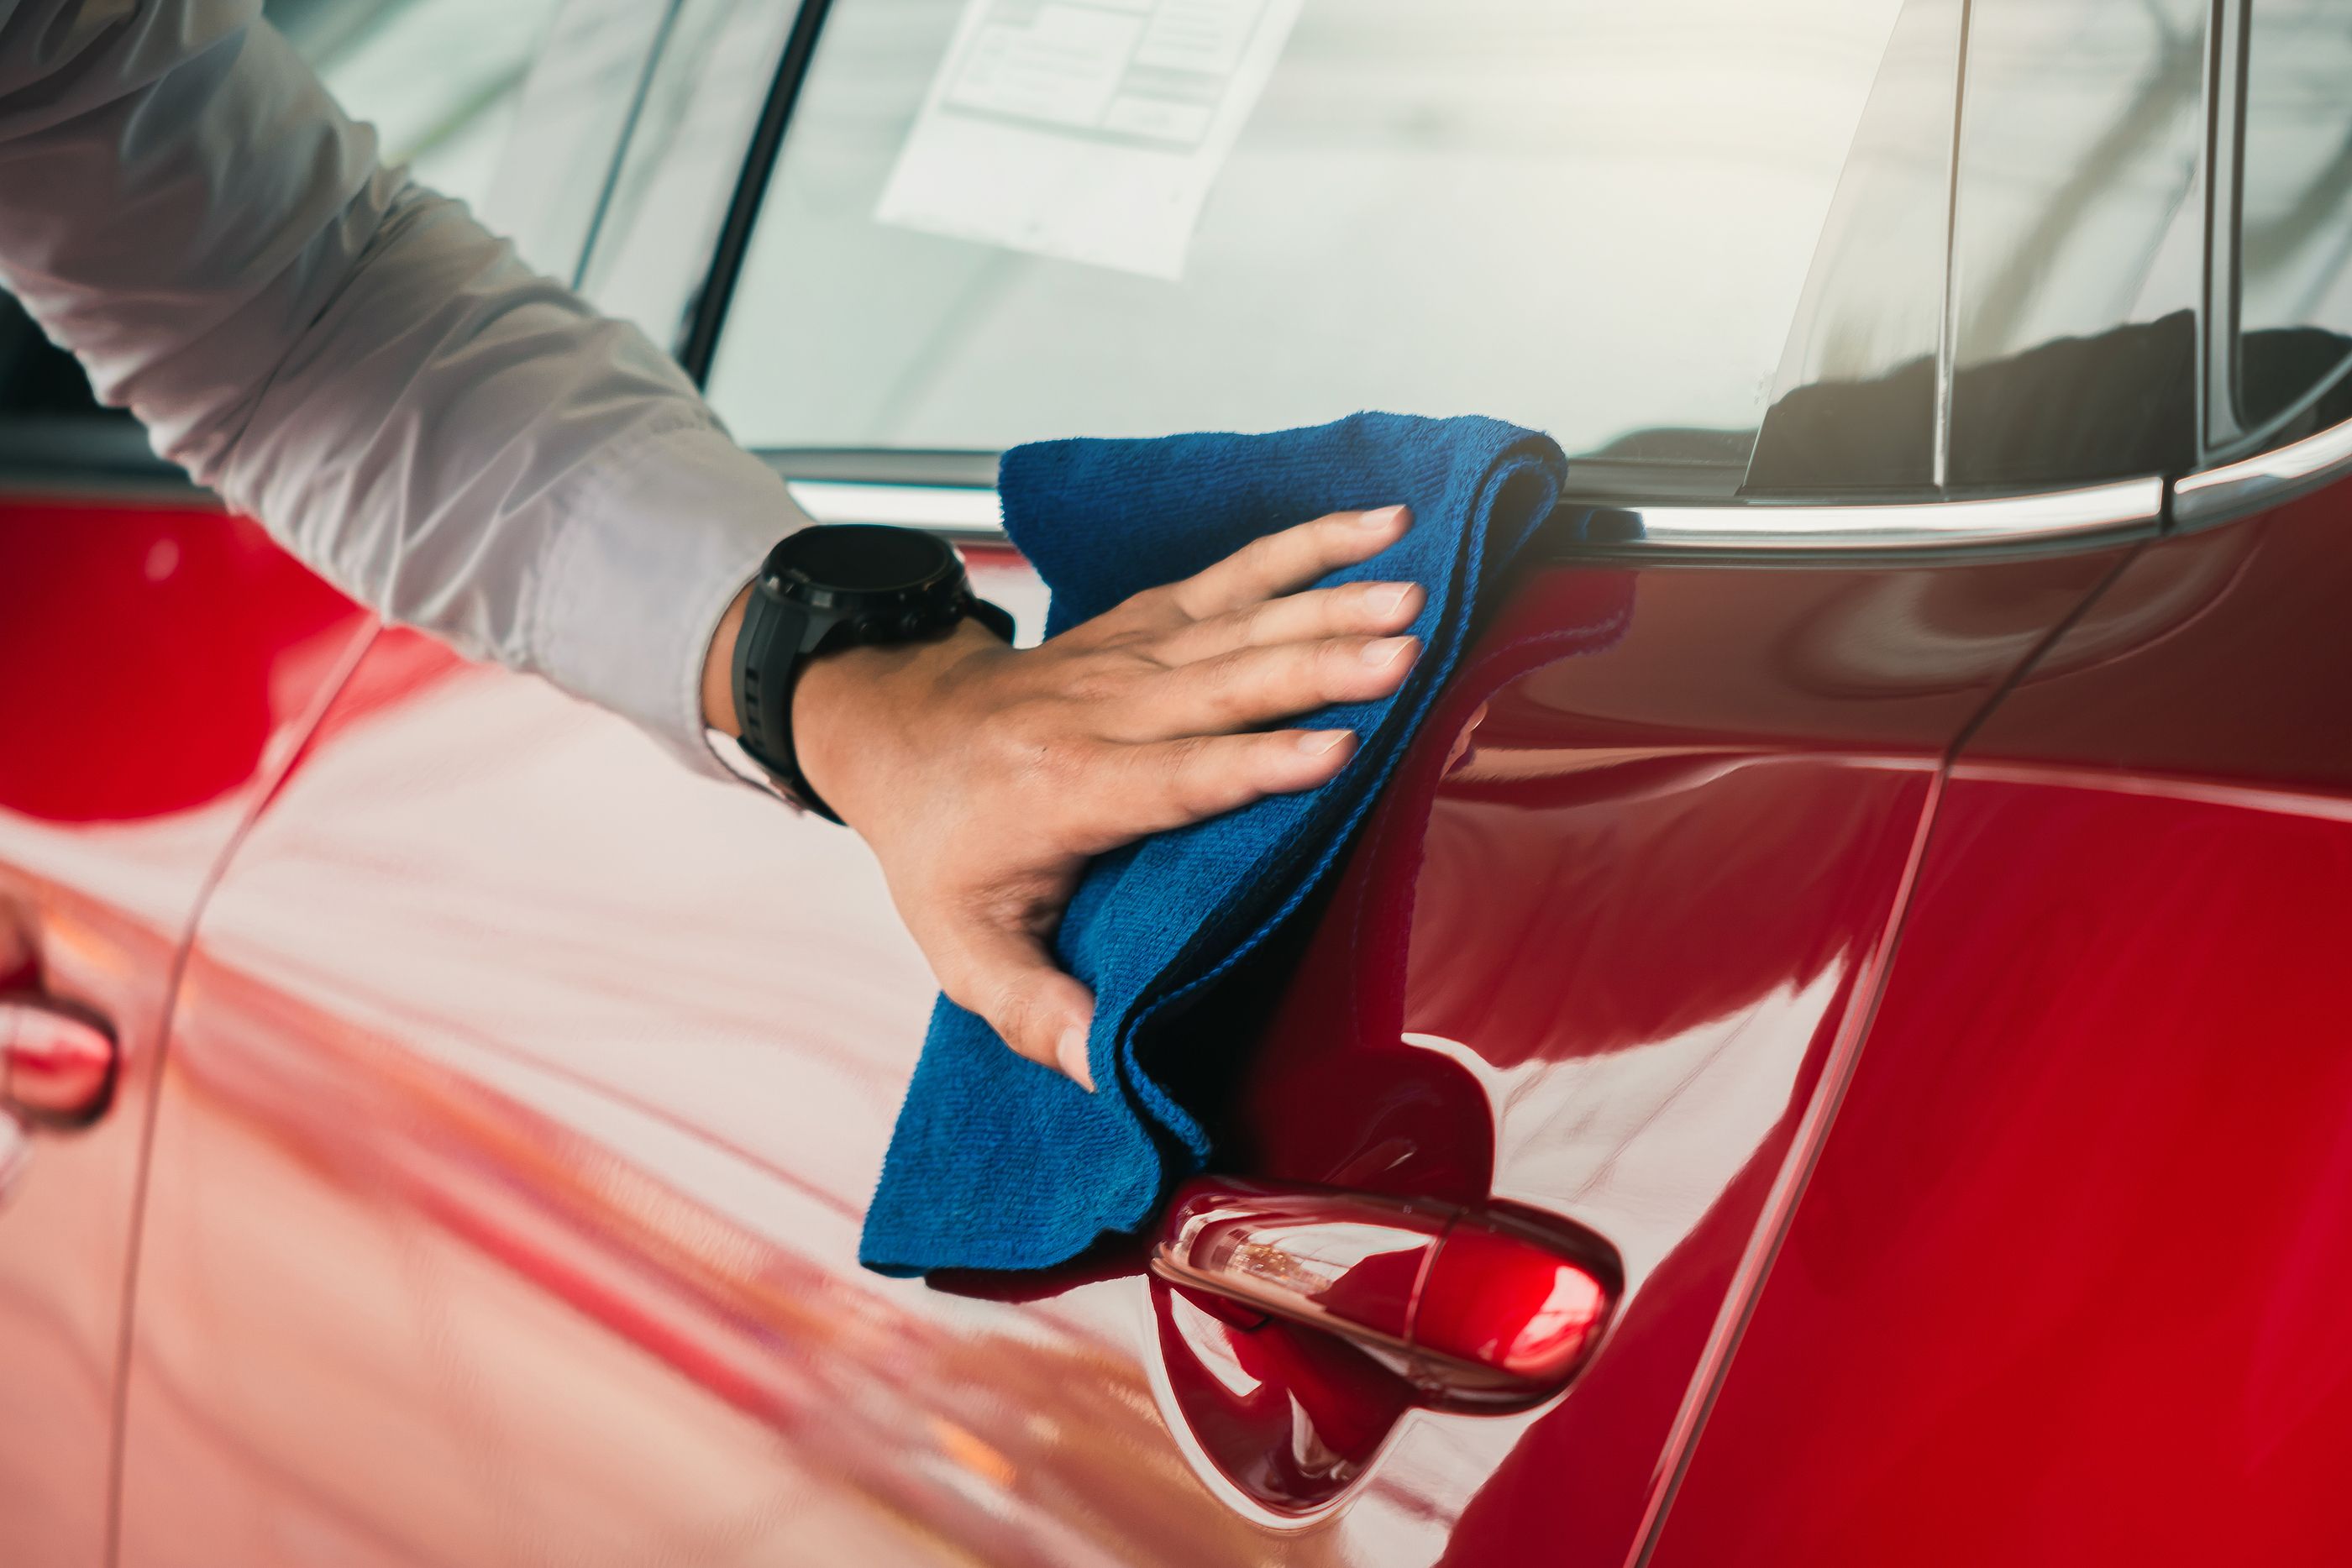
471, 449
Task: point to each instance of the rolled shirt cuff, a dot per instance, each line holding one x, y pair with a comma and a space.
644, 565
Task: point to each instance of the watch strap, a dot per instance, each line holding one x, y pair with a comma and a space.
780, 635
768, 659
995, 617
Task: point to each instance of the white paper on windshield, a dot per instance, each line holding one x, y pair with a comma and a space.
1088, 129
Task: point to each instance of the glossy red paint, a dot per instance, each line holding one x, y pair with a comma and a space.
1290, 1418
2214, 658
2067, 1284
1606, 963
1508, 1311
55, 1066
509, 1165
162, 663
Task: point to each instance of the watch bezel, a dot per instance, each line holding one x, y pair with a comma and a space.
791, 581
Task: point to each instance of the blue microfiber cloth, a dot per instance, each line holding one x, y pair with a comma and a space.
998, 1163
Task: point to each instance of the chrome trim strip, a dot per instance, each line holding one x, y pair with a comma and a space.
970, 511
1948, 326
1910, 524
2265, 479
950, 508
2224, 169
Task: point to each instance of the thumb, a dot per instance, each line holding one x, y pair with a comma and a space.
1008, 977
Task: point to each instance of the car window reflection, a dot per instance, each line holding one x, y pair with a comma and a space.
1590, 217
2076, 257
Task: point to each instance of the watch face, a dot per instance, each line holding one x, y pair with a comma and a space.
863, 558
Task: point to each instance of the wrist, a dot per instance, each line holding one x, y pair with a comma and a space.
849, 707
855, 711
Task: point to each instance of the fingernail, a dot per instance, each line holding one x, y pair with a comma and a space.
1384, 650
1319, 742
1072, 1054
1380, 520
1385, 596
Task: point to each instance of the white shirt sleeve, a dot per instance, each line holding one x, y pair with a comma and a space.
457, 442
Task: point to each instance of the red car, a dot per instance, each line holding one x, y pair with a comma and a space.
439, 1126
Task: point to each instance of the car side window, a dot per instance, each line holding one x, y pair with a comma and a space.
2068, 255
2294, 223
2078, 250
1855, 402
1590, 217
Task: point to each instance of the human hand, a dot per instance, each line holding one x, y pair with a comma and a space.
984, 777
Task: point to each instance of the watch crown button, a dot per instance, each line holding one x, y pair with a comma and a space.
910, 624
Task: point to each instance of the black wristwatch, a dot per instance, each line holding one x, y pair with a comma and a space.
834, 586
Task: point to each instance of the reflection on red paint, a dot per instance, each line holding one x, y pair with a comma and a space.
169, 644
161, 664
2067, 1285
1475, 1311
1599, 968
1506, 1314
513, 1107
1292, 1418
2067, 1281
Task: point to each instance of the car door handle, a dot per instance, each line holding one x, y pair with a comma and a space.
55, 1065
1474, 1307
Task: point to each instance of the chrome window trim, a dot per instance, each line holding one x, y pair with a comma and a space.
1948, 324
2265, 479
2218, 425
1908, 524
2129, 506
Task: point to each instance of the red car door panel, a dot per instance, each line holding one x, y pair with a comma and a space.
162, 661
2067, 1285
526, 1092
1619, 954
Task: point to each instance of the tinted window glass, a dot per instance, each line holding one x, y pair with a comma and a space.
2079, 246
2076, 253
1854, 399
2295, 290
1588, 216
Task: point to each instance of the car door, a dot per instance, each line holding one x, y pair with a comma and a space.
525, 1091
2066, 1285
164, 662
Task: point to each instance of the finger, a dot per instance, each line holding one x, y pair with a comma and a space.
1280, 563
1253, 687
1009, 977
1152, 787
1355, 609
